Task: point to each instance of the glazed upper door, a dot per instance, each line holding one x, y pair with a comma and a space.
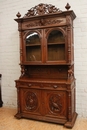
33, 47
56, 47
45, 46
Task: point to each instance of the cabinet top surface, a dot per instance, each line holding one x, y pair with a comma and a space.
44, 81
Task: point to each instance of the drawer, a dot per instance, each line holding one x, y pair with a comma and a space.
41, 85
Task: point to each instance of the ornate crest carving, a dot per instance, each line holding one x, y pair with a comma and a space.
42, 9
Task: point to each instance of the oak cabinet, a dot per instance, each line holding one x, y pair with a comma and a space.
46, 87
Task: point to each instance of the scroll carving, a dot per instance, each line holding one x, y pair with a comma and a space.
44, 22
42, 9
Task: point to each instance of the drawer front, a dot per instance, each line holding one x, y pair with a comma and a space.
52, 86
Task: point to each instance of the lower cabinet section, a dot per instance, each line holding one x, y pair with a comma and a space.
44, 102
52, 105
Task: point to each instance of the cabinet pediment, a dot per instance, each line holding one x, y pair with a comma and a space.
42, 9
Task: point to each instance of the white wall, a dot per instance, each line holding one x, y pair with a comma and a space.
9, 47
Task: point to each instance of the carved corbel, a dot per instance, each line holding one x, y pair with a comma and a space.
23, 71
70, 72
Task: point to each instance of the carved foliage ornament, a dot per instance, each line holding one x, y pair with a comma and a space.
44, 22
42, 9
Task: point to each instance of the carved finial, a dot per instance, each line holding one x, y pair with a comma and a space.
67, 6
18, 15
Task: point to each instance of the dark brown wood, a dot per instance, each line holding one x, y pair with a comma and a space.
1, 102
46, 86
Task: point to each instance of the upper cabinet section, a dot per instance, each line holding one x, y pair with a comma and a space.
46, 35
44, 15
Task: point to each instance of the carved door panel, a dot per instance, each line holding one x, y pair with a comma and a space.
56, 104
30, 101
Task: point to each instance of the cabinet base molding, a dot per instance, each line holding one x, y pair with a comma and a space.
18, 116
70, 124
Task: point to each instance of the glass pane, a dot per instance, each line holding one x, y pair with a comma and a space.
55, 36
56, 52
32, 39
56, 46
33, 47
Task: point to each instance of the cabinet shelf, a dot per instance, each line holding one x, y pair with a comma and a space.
33, 45
56, 43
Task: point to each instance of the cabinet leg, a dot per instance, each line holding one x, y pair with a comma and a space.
70, 124
18, 116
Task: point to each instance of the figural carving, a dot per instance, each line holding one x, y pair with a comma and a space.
55, 103
31, 101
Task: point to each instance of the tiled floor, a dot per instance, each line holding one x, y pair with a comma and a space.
9, 122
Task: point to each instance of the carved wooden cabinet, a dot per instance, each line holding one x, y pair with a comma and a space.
46, 87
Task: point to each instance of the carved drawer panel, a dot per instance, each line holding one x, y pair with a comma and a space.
52, 86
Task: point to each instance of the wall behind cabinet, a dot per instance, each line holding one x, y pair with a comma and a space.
9, 48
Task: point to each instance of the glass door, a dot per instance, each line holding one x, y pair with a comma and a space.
55, 46
33, 47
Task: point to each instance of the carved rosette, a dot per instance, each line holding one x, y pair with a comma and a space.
31, 101
42, 9
55, 103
